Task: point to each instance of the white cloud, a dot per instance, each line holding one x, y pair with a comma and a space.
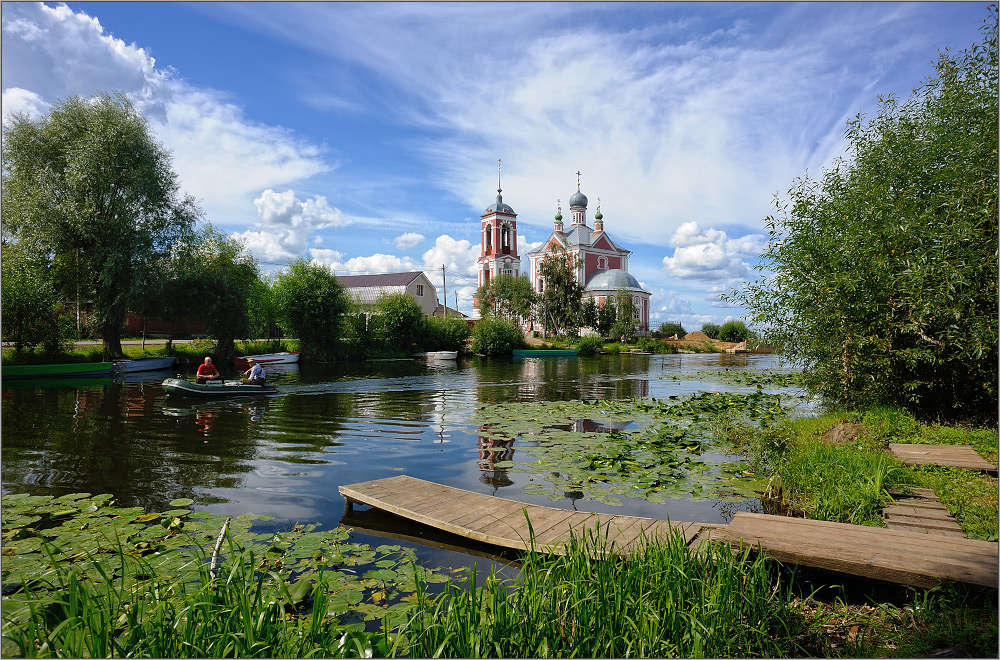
408, 240
17, 100
287, 223
709, 254
220, 156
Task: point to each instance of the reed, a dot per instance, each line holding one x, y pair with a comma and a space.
663, 600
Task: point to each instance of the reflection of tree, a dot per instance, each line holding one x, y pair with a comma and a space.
492, 451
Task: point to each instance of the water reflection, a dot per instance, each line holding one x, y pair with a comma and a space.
330, 425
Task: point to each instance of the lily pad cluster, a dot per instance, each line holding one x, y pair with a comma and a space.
638, 448
128, 551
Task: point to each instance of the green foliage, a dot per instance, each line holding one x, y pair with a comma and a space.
885, 271
710, 329
562, 298
662, 600
650, 345
214, 279
30, 303
492, 337
627, 316
87, 181
589, 314
671, 328
311, 304
446, 334
399, 324
734, 331
606, 316
590, 345
507, 298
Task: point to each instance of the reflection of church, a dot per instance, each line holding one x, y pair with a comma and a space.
603, 263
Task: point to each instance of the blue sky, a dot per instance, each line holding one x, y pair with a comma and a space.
366, 135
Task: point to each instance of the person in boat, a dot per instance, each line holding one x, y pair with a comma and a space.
255, 374
207, 371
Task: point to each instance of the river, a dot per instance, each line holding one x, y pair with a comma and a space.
330, 425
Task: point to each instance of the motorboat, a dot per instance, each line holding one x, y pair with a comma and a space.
215, 388
285, 357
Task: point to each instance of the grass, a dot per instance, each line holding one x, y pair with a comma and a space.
849, 482
195, 350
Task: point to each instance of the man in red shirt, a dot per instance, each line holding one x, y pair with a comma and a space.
207, 371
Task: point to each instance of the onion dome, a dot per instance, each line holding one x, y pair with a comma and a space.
599, 216
578, 199
558, 224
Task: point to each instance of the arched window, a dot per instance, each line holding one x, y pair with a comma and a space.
487, 236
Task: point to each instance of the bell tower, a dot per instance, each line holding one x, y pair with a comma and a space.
498, 242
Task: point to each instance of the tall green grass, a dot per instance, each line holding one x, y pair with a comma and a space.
664, 600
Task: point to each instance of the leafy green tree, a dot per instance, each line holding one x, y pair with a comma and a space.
734, 331
215, 278
311, 305
495, 337
400, 323
671, 328
884, 279
606, 316
88, 180
625, 322
588, 313
507, 298
30, 304
710, 329
562, 296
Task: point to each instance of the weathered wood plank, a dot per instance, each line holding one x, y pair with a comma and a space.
960, 456
884, 554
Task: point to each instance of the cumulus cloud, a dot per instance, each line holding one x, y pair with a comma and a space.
408, 240
220, 156
287, 223
709, 254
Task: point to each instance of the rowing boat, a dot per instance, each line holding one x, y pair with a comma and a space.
546, 352
284, 357
74, 370
216, 388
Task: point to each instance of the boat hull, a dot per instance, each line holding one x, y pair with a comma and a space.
437, 355
75, 370
226, 389
144, 364
268, 358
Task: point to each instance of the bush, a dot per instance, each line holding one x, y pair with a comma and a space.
399, 323
711, 329
671, 328
446, 334
590, 345
734, 331
492, 337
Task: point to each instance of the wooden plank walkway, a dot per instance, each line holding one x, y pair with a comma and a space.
904, 557
921, 512
960, 456
503, 522
919, 558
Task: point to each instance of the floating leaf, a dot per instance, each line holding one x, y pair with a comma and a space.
183, 501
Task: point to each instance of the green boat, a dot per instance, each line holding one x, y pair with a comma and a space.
75, 370
216, 388
546, 352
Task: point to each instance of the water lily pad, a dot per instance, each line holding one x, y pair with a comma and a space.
183, 501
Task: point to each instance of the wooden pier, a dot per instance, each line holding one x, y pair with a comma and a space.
959, 456
502, 522
915, 558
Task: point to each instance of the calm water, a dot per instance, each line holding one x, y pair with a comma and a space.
331, 425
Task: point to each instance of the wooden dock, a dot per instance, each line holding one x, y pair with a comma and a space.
960, 456
917, 558
503, 522
921, 512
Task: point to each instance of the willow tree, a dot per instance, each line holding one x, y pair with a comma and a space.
87, 181
507, 298
883, 275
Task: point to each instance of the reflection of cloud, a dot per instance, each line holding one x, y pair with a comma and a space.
221, 157
709, 254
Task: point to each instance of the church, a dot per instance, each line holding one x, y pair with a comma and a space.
603, 263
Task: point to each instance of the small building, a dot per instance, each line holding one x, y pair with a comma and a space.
366, 289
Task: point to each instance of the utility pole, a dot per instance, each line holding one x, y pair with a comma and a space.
444, 285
